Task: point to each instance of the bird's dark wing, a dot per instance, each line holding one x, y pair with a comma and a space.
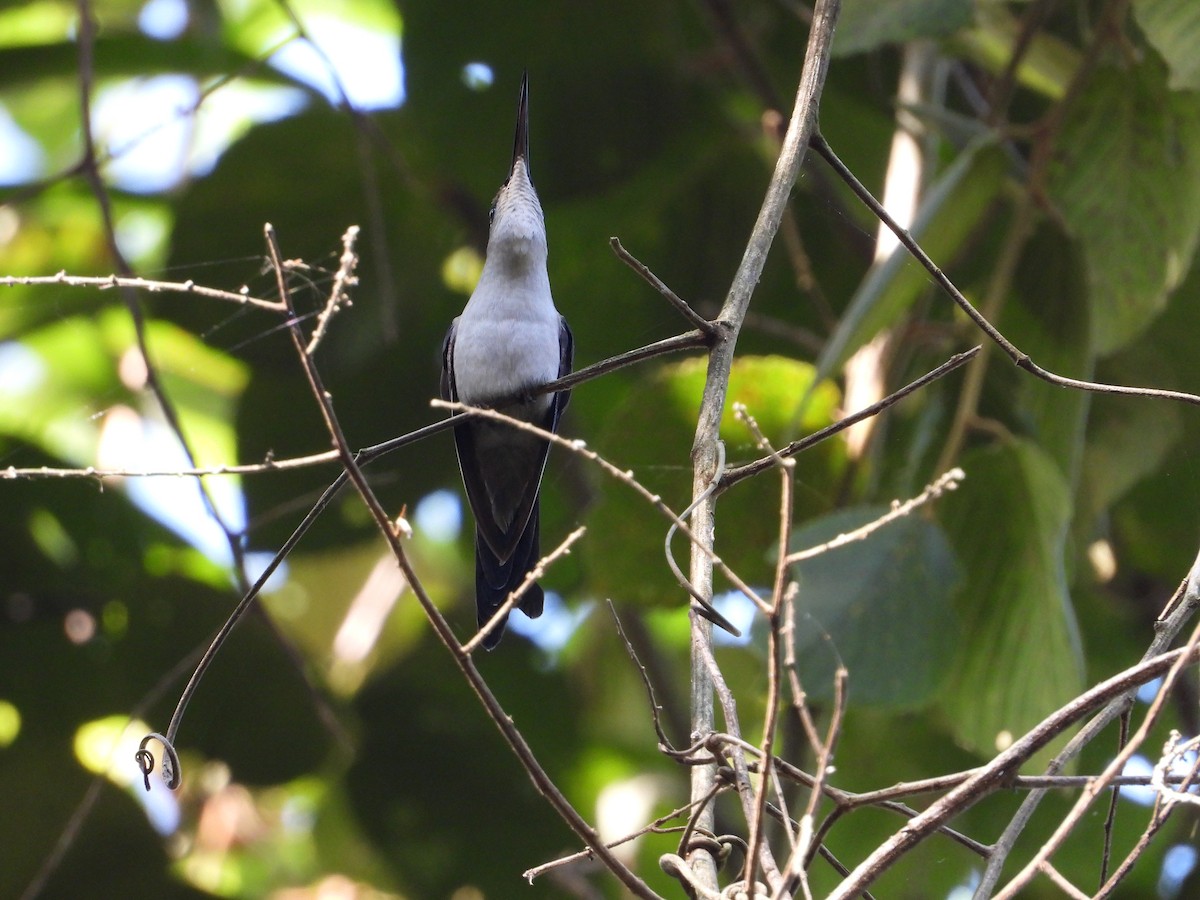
566, 359
448, 390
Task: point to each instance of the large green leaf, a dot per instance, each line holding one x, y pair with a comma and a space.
881, 607
1127, 182
1173, 27
1020, 657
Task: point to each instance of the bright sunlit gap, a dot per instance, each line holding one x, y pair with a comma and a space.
22, 370
739, 610
554, 627
478, 76
368, 611
21, 157
965, 891
10, 723
366, 63
159, 131
1177, 865
163, 20
439, 516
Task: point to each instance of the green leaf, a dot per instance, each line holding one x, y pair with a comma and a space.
62, 369
1128, 186
1020, 656
866, 24
1124, 446
1048, 62
1140, 457
882, 606
1046, 315
767, 386
1173, 27
64, 366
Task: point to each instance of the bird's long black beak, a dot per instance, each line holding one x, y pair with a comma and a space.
521, 141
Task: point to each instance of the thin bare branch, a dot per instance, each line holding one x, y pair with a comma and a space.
12, 473
786, 468
1177, 612
242, 298
655, 827
697, 320
664, 742
1063, 883
1089, 793
737, 756
947, 481
705, 606
801, 127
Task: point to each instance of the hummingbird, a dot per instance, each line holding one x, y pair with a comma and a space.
508, 340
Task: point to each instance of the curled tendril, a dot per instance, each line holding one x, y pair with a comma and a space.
705, 607
727, 843
171, 771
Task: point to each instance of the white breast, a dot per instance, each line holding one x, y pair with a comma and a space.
507, 340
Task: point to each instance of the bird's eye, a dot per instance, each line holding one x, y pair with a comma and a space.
492, 214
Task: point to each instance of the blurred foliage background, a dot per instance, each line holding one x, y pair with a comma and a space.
333, 750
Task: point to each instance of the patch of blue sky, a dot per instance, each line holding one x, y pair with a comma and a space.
22, 370
1147, 691
478, 76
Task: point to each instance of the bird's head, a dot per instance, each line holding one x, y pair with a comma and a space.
518, 228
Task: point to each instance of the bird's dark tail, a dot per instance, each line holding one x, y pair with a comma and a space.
494, 580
